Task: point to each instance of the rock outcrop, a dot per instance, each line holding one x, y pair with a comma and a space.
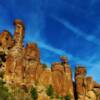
6, 41
21, 68
85, 85
62, 78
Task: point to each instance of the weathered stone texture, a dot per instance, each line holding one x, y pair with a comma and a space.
22, 67
6, 41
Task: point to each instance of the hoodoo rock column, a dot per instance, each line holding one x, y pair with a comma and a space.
14, 70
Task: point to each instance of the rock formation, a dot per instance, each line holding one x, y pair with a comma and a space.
62, 78
21, 67
85, 85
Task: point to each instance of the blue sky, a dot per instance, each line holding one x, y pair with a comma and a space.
59, 27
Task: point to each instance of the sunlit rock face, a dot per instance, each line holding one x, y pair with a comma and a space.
15, 62
85, 85
33, 68
22, 64
89, 83
32, 52
80, 74
21, 67
59, 78
62, 78
6, 43
19, 32
45, 78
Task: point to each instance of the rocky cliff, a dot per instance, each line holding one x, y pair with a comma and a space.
20, 67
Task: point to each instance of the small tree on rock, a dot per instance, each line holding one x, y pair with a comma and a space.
50, 91
34, 93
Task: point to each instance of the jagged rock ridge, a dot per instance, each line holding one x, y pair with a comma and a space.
21, 66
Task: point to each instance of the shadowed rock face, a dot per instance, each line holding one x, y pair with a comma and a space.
22, 67
6, 41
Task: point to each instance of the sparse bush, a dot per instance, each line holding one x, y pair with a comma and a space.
4, 93
1, 74
34, 93
44, 66
50, 91
67, 97
60, 98
20, 94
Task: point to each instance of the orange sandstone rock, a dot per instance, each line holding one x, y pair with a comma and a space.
6, 41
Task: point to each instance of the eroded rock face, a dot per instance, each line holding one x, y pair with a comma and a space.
80, 86
85, 85
33, 68
89, 83
97, 92
22, 64
62, 78
91, 95
32, 52
45, 78
15, 65
57, 67
58, 78
6, 41
80, 71
19, 32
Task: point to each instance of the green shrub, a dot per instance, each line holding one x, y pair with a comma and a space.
4, 93
60, 98
50, 91
1, 74
67, 97
20, 94
34, 93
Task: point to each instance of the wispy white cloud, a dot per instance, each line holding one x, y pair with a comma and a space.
54, 50
60, 52
75, 30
